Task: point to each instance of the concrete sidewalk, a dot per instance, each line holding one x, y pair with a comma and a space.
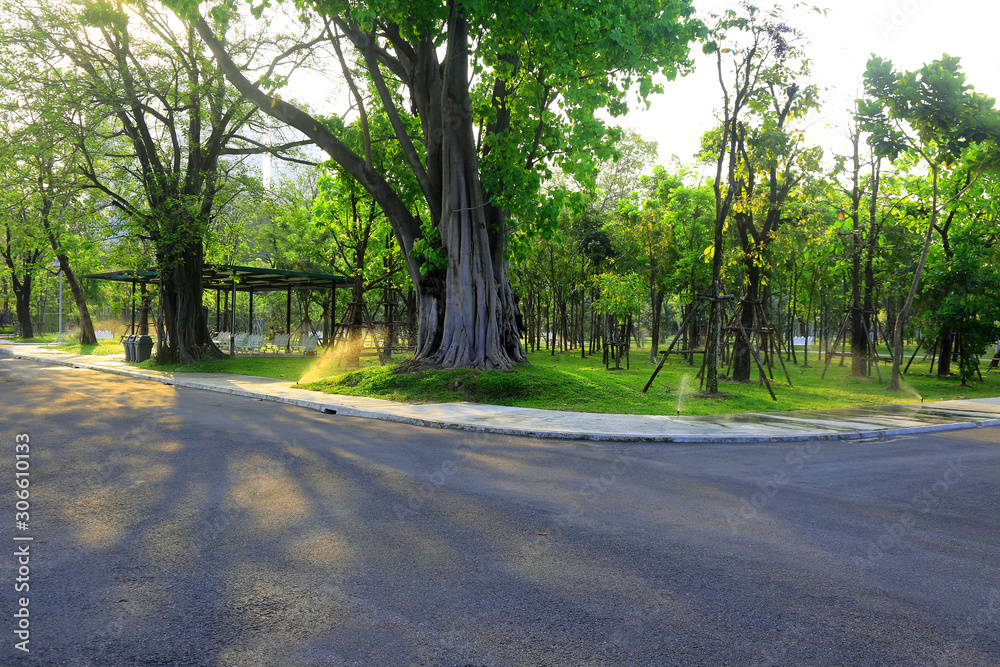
843, 423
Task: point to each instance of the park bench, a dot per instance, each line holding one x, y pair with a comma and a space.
240, 342
255, 344
278, 344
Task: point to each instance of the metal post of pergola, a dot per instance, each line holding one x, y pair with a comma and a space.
250, 319
131, 329
333, 315
232, 318
288, 320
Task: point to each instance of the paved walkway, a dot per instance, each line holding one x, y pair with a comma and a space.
841, 423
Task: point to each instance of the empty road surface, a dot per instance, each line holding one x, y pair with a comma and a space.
173, 526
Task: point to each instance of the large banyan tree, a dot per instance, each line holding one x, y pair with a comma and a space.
484, 98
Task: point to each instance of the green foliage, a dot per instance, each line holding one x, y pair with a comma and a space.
970, 301
428, 250
944, 114
621, 295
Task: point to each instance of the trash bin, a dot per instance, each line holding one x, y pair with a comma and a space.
143, 348
129, 344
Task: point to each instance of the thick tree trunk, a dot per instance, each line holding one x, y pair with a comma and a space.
944, 361
467, 313
411, 318
183, 315
473, 319
22, 306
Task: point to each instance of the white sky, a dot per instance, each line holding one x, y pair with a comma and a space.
908, 32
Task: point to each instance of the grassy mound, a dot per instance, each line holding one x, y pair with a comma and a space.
430, 386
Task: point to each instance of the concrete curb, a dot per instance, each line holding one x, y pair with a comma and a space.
331, 407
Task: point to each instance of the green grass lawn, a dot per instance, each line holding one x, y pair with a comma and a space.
38, 339
566, 382
103, 348
288, 368
292, 368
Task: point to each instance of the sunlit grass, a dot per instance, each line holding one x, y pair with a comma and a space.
38, 339
292, 368
566, 382
103, 348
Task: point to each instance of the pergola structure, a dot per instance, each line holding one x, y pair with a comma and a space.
234, 278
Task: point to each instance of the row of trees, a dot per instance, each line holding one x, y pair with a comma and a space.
793, 237
470, 181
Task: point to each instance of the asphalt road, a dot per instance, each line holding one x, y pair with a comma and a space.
174, 526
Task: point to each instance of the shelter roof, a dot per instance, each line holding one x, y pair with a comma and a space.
245, 278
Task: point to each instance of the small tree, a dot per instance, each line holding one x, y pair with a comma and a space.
931, 112
621, 300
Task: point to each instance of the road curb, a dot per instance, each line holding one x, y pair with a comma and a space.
331, 407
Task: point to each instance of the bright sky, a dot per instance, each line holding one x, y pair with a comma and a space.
908, 32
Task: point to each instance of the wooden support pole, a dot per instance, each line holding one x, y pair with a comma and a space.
833, 351
131, 329
914, 355
250, 322
871, 343
691, 313
756, 357
232, 321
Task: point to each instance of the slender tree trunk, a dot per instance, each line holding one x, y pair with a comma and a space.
654, 334
904, 311
87, 335
352, 354
743, 363
859, 335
